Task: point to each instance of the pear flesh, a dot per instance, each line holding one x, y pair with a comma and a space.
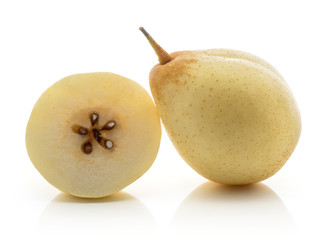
230, 115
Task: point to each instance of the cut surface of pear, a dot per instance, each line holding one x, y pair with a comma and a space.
92, 134
230, 114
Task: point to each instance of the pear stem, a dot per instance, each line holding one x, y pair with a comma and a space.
163, 56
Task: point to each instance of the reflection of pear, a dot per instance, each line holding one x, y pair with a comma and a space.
118, 213
230, 114
250, 208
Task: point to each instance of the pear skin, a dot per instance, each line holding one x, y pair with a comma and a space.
230, 115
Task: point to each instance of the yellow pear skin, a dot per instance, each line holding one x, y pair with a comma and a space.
230, 115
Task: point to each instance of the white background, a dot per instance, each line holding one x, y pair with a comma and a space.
43, 41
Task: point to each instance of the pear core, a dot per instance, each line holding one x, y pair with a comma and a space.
91, 135
230, 114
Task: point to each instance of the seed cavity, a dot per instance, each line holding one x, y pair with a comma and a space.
94, 133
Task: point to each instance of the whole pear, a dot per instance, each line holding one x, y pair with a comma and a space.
230, 115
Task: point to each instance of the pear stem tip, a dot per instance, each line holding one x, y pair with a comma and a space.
163, 56
144, 31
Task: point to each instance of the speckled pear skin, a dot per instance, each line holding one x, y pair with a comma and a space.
230, 115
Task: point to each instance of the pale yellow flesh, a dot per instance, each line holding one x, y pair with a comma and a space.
55, 149
230, 115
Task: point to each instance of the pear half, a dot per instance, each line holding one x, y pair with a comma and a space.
230, 114
92, 134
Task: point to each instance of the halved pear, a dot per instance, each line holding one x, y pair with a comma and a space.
92, 134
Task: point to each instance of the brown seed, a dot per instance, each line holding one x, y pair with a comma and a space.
94, 119
79, 129
109, 125
87, 148
83, 131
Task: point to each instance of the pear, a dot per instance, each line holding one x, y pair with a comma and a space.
93, 134
230, 115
